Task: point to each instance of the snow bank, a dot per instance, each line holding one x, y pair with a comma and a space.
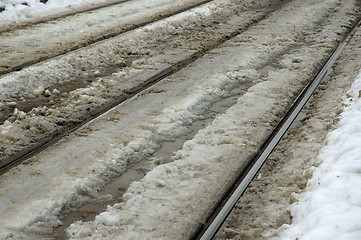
331, 206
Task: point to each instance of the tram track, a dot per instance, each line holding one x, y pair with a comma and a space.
140, 81
227, 204
67, 40
191, 108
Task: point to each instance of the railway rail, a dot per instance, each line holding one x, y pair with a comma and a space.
216, 220
63, 42
143, 80
175, 90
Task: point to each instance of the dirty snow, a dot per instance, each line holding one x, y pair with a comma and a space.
176, 195
22, 11
194, 180
331, 206
265, 206
196, 177
82, 68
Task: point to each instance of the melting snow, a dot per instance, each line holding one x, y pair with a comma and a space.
331, 206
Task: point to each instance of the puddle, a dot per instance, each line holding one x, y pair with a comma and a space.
87, 212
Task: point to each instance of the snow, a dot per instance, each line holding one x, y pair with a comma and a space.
331, 206
17, 11
200, 171
177, 195
67, 69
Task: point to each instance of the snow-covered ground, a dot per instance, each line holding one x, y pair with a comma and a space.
38, 42
97, 74
271, 207
330, 208
25, 11
267, 63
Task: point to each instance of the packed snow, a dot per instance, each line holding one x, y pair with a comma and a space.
93, 62
178, 193
264, 211
20, 11
331, 206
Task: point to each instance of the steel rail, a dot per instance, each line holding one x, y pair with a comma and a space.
53, 138
212, 229
93, 8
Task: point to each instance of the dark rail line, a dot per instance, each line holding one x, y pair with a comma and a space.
224, 208
106, 35
152, 80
